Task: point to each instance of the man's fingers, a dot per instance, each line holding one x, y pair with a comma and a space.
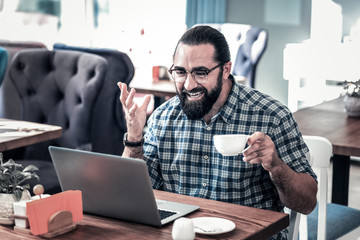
124, 92
249, 156
256, 137
256, 146
145, 103
255, 161
129, 102
132, 110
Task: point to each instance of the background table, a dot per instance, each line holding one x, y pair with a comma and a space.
162, 90
15, 133
251, 223
330, 120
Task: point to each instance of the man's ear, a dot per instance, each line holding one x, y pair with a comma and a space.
226, 70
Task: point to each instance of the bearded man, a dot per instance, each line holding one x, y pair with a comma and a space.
178, 145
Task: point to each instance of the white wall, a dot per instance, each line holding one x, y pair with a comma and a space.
269, 75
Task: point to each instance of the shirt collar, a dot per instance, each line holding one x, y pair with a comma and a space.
227, 112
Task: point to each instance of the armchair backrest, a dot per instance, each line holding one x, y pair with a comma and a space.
59, 88
109, 123
10, 103
247, 45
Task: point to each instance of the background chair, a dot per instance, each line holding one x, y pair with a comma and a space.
328, 220
10, 103
59, 88
109, 116
3, 63
247, 45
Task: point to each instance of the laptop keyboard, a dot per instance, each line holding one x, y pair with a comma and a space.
164, 213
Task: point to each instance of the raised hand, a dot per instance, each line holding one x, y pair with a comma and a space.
135, 115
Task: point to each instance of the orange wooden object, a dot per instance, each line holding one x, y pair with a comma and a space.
41, 211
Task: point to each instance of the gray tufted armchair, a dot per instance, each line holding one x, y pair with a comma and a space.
59, 88
110, 119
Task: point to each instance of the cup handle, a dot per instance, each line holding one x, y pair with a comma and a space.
245, 144
245, 149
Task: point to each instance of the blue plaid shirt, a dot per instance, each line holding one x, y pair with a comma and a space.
182, 158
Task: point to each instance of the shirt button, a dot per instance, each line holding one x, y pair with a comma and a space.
208, 128
204, 184
206, 157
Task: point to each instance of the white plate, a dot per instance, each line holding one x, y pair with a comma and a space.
212, 225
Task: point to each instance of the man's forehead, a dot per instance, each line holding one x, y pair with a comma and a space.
196, 47
202, 53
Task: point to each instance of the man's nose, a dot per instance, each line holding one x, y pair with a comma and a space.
190, 82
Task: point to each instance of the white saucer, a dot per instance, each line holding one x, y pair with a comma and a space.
212, 225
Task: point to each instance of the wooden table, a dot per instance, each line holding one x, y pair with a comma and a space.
330, 120
251, 223
15, 134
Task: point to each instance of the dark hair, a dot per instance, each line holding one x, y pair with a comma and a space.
203, 34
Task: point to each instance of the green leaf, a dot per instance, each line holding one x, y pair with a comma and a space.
30, 168
11, 163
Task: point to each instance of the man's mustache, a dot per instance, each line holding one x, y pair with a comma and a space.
194, 90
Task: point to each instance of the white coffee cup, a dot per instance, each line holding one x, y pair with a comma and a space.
230, 144
183, 229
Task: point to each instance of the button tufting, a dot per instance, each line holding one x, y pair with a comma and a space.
60, 95
31, 92
51, 67
21, 65
67, 124
91, 74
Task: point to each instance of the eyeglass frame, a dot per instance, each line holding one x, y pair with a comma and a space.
207, 71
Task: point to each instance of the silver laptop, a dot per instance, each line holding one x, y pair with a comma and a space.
114, 186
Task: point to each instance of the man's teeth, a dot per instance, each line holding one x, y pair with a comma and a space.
197, 94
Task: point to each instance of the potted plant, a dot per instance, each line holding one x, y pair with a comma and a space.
13, 187
352, 98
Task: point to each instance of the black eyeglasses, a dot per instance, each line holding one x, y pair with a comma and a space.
200, 76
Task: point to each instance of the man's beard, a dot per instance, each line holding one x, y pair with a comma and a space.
198, 109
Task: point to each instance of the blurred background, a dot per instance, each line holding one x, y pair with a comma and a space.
148, 30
